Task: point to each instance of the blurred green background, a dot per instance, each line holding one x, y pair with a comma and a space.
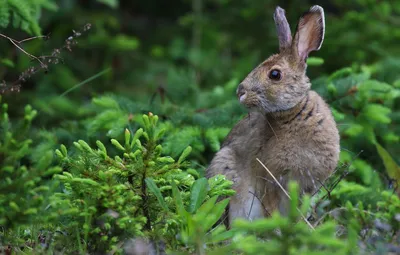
160, 54
206, 43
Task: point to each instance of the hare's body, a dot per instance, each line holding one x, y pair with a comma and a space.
300, 144
290, 129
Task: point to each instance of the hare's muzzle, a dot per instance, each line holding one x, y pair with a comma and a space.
241, 93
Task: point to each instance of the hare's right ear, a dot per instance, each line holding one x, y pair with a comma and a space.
283, 29
310, 33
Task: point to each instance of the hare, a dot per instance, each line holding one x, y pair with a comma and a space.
290, 128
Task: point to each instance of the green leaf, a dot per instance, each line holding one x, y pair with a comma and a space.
4, 14
374, 85
127, 137
117, 144
30, 211
341, 73
354, 130
85, 181
52, 171
5, 61
294, 201
369, 133
151, 185
391, 166
337, 115
178, 200
45, 161
49, 5
219, 237
391, 137
14, 206
124, 43
215, 214
184, 154
198, 194
261, 225
314, 61
22, 13
106, 102
208, 205
377, 113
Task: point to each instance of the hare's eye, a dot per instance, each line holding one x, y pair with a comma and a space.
275, 74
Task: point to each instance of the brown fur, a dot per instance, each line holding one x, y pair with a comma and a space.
289, 128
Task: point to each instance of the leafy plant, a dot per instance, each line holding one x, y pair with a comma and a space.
291, 235
24, 185
109, 199
25, 15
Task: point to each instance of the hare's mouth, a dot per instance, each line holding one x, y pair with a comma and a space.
242, 97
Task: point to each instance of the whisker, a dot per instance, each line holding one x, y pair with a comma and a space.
269, 124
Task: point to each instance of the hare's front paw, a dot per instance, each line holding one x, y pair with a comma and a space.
224, 163
245, 204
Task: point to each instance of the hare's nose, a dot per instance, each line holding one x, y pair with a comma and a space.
241, 93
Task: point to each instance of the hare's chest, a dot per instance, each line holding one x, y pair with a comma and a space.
284, 154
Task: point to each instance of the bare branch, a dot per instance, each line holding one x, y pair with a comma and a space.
16, 44
44, 60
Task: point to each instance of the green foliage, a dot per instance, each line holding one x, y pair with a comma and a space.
392, 169
102, 186
24, 185
275, 235
109, 199
201, 130
363, 108
376, 212
291, 235
25, 14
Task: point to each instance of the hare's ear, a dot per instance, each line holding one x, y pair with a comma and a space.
310, 33
283, 29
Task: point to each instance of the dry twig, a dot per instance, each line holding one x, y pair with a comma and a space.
286, 193
45, 60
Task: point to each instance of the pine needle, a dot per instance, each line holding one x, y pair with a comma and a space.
287, 194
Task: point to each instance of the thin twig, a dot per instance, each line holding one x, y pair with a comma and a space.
326, 189
32, 38
16, 44
260, 202
287, 194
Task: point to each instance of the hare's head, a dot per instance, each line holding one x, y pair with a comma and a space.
280, 82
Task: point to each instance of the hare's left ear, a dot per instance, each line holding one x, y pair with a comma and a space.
310, 33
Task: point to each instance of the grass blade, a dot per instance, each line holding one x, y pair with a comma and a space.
86, 81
